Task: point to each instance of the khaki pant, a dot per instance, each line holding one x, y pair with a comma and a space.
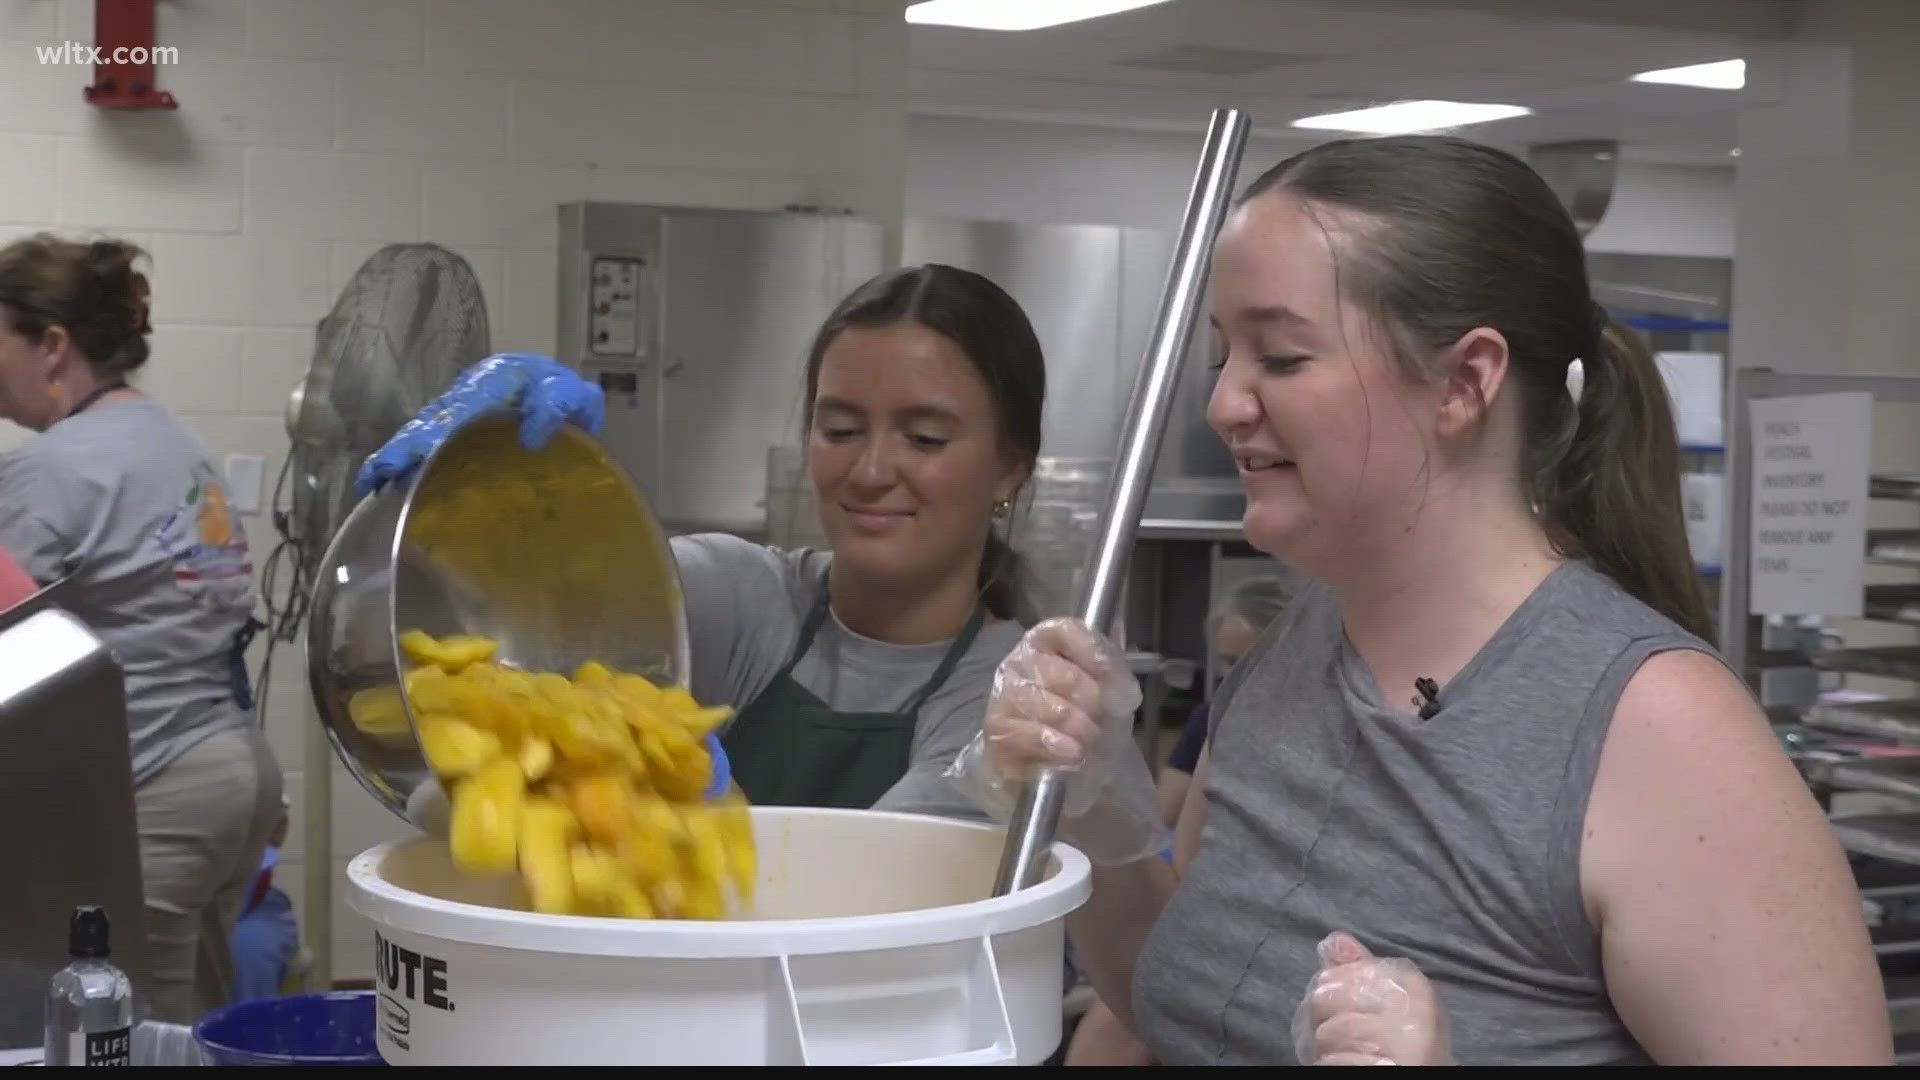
204, 824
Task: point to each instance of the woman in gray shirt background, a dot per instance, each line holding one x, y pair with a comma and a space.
115, 495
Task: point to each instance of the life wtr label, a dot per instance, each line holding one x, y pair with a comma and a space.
113, 1047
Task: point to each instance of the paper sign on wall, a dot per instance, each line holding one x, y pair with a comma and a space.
1809, 522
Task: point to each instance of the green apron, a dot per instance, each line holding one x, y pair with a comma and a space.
788, 748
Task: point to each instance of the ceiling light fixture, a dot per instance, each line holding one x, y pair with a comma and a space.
1016, 14
1725, 75
1410, 116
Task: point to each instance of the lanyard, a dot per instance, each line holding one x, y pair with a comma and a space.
98, 393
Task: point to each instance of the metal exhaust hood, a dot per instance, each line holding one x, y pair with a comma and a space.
1583, 173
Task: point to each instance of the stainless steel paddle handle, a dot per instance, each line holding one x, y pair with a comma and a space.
1037, 814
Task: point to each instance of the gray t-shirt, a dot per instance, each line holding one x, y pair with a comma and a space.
746, 604
123, 500
1453, 841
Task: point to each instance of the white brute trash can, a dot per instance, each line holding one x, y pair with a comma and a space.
876, 940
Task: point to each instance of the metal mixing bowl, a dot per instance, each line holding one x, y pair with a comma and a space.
553, 554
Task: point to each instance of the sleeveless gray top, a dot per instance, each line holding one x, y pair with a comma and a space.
1453, 841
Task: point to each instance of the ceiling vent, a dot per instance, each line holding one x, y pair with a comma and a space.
1208, 60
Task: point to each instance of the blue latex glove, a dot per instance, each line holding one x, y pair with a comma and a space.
722, 768
546, 392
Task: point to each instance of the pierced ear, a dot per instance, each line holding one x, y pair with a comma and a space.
1476, 371
1016, 469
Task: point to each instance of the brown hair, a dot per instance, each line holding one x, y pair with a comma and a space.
992, 330
1447, 235
89, 289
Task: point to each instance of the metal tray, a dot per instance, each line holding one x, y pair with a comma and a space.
1894, 486
1903, 1003
1889, 836
1885, 661
1896, 776
1893, 719
1894, 603
1894, 547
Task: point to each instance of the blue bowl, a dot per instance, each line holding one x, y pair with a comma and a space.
302, 1029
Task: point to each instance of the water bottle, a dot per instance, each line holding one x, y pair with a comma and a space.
90, 1001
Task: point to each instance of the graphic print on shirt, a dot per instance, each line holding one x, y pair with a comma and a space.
205, 543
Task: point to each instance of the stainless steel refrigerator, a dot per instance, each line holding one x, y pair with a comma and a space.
696, 323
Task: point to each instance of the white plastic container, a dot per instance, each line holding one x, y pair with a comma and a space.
876, 940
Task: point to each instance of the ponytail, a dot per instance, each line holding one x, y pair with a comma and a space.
1003, 582
1613, 495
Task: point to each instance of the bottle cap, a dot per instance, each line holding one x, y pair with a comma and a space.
88, 935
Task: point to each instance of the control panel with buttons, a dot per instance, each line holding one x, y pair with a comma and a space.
614, 325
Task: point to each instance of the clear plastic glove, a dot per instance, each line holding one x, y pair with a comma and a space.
546, 393
1065, 698
1365, 1010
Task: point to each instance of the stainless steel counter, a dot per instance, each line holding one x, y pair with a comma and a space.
1206, 508
66, 795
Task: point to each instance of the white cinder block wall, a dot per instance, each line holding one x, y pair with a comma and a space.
311, 132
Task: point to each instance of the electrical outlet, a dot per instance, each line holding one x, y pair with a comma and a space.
245, 475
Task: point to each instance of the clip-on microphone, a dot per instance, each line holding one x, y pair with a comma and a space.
1429, 699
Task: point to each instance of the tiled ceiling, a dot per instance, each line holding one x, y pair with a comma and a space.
1168, 66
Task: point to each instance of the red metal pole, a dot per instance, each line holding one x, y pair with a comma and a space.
123, 58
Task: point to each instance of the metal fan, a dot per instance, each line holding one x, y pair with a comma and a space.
409, 320
412, 317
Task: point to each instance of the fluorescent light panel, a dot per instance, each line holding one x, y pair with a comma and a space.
1016, 14
1725, 75
1410, 116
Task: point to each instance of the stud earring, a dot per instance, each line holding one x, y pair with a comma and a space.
1002, 508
